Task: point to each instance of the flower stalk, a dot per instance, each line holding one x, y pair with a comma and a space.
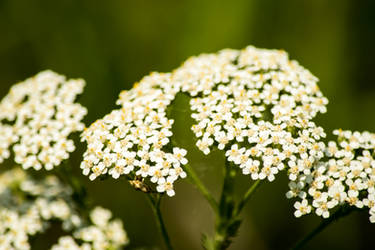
226, 223
155, 205
228, 220
340, 212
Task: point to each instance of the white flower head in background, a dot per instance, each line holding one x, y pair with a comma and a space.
27, 207
104, 233
255, 104
346, 177
37, 116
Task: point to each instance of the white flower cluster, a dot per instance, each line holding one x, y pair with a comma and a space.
102, 234
346, 176
28, 205
37, 116
135, 140
257, 105
7, 138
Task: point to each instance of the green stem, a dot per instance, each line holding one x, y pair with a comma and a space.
341, 212
199, 185
227, 224
249, 193
227, 203
155, 205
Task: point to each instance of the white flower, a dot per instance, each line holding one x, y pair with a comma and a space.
346, 177
136, 136
233, 154
157, 175
252, 167
97, 170
179, 154
27, 212
66, 242
268, 172
177, 172
237, 103
246, 102
301, 208
100, 216
204, 144
42, 114
167, 187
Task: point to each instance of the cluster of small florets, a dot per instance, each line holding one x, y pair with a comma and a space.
346, 176
256, 105
104, 233
37, 116
7, 138
27, 206
135, 140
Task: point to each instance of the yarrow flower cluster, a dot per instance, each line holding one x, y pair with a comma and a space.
255, 104
104, 233
135, 140
346, 176
37, 116
7, 138
28, 205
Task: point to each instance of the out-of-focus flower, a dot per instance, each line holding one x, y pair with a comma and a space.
104, 233
37, 116
345, 176
27, 206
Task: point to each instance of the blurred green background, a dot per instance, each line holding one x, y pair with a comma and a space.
112, 44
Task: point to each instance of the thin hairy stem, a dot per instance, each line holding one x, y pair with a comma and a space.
155, 205
202, 189
341, 212
227, 202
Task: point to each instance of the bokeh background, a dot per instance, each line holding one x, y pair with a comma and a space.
112, 44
